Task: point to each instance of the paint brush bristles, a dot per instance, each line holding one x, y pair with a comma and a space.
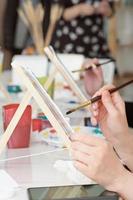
97, 98
91, 66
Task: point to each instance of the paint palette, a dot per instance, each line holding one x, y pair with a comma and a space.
50, 136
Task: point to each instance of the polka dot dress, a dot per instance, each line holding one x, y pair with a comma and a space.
82, 35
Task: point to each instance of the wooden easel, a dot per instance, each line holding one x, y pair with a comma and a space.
60, 68
35, 90
5, 93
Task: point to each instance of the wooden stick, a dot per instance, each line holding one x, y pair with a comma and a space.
14, 121
33, 17
56, 12
64, 72
97, 98
49, 34
41, 103
50, 79
23, 18
6, 94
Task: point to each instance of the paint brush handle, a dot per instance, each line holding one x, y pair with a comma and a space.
97, 98
97, 65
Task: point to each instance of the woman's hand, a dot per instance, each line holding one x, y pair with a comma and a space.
95, 158
110, 114
93, 78
82, 9
104, 8
86, 9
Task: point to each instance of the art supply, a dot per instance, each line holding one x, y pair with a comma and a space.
14, 88
47, 105
33, 18
5, 93
72, 102
64, 72
97, 98
93, 65
20, 137
50, 137
36, 125
44, 121
56, 12
14, 121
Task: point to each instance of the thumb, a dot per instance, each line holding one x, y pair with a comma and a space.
108, 102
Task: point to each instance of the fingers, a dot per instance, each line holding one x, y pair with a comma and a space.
97, 71
93, 70
110, 101
94, 121
87, 139
89, 62
115, 96
82, 147
95, 113
79, 156
81, 167
106, 87
95, 61
84, 152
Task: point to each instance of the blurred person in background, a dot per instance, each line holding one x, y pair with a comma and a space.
2, 13
81, 28
15, 34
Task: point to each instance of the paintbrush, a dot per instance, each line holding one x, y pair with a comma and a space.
93, 65
97, 98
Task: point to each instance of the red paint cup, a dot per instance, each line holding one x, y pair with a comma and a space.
40, 124
20, 137
36, 125
46, 124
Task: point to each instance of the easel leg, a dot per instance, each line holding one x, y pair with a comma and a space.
50, 79
13, 123
3, 90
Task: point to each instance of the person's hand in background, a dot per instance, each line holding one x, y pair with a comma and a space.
81, 9
96, 159
93, 78
86, 9
110, 114
104, 8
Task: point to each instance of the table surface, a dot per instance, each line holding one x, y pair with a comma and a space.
35, 171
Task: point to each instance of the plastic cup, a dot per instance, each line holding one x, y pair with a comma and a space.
20, 137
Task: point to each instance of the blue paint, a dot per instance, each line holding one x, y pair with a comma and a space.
72, 102
43, 117
97, 131
14, 89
